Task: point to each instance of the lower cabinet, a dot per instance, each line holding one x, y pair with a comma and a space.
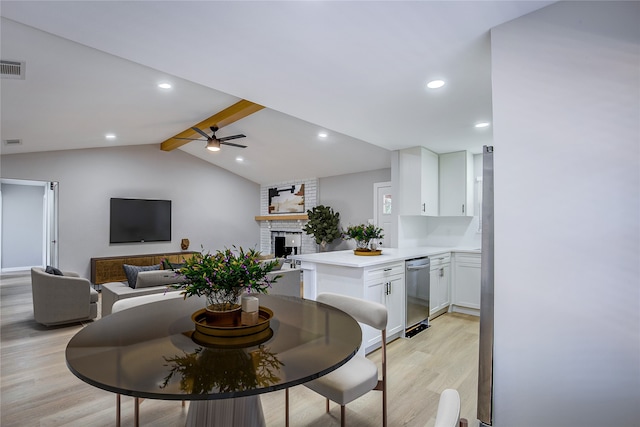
440, 281
383, 283
466, 290
389, 291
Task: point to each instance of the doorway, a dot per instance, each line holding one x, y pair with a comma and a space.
382, 210
28, 224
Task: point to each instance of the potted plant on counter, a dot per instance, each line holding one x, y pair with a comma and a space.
365, 236
221, 277
323, 225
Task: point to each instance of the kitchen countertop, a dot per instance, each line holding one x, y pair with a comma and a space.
348, 259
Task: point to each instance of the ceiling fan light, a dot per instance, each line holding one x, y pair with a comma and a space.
213, 145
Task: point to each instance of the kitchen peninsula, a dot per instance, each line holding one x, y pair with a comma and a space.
382, 278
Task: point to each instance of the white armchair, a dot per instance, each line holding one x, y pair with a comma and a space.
62, 299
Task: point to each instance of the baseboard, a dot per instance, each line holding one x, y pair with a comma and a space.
465, 310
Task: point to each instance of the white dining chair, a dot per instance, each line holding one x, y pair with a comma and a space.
126, 304
359, 375
448, 414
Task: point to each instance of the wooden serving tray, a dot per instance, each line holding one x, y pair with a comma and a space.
204, 327
231, 342
367, 253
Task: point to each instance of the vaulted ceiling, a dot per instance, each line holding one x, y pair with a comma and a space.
355, 70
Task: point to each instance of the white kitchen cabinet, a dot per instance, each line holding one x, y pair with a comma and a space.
383, 283
440, 284
418, 182
466, 283
387, 289
456, 184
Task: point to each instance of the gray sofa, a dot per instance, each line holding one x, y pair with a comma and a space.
62, 299
147, 283
289, 284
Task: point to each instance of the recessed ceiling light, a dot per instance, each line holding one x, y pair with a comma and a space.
164, 86
482, 124
435, 84
323, 135
239, 159
110, 136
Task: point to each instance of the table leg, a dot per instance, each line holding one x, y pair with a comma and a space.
136, 413
118, 410
286, 407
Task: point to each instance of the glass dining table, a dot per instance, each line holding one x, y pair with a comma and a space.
152, 351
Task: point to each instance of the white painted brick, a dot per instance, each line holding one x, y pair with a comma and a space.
267, 227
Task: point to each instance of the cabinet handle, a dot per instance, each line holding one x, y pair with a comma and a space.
442, 272
388, 269
424, 207
463, 208
388, 285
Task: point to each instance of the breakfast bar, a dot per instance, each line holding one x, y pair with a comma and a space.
381, 278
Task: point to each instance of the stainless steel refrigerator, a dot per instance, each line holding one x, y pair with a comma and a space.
485, 368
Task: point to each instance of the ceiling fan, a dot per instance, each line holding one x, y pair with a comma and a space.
213, 143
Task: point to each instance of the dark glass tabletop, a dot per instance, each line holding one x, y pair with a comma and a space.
148, 351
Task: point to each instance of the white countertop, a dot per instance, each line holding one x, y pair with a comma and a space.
348, 259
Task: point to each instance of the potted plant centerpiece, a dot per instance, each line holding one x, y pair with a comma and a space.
223, 276
365, 236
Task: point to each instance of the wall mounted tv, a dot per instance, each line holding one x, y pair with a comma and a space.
140, 220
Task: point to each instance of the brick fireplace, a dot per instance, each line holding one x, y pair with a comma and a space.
277, 226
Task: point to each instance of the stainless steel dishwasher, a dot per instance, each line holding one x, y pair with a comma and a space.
418, 288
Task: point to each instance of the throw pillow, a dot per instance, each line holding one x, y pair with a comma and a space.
148, 279
166, 265
131, 271
53, 270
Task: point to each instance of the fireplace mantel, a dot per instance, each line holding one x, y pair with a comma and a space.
298, 217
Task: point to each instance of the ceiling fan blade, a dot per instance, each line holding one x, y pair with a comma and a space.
201, 132
232, 144
192, 139
227, 138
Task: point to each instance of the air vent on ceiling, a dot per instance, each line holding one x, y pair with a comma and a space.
12, 141
12, 69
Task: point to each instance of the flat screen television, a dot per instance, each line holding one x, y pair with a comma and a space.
140, 220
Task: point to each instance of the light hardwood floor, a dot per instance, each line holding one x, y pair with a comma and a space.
37, 389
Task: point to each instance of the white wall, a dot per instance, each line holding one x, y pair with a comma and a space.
22, 226
352, 196
567, 235
211, 207
438, 231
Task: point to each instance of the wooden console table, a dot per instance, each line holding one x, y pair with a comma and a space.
109, 269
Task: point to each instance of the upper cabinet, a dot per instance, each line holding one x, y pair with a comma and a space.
435, 185
456, 184
418, 186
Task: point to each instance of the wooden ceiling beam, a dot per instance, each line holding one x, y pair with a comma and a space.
237, 111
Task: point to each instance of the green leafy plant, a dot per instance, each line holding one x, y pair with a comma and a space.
225, 273
364, 235
323, 225
363, 232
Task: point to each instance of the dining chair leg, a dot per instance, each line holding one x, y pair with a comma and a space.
136, 413
343, 418
327, 405
184, 403
118, 409
286, 407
